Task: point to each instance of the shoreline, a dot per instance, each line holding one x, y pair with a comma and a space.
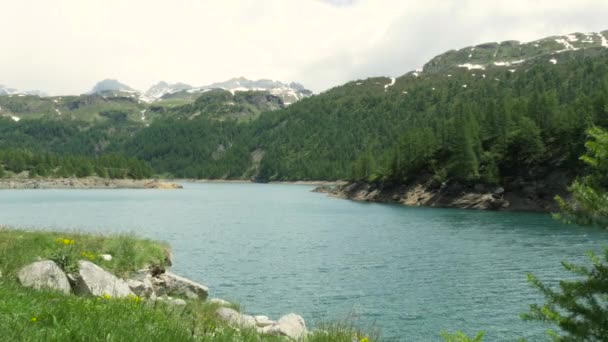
448, 195
246, 181
97, 183
85, 183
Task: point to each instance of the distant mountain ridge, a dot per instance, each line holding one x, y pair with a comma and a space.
110, 85
12, 91
510, 53
288, 92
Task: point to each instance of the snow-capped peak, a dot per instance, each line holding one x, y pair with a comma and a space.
162, 88
109, 85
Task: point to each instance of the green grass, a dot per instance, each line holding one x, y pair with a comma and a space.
19, 248
31, 315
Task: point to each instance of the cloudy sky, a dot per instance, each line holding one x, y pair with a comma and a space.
65, 46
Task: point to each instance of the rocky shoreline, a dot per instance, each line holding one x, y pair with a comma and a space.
150, 285
528, 196
85, 183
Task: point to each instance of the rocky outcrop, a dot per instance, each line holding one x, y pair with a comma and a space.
174, 285
44, 275
94, 280
515, 195
142, 288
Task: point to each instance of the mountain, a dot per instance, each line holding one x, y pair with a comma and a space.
520, 127
12, 91
288, 93
222, 105
511, 53
111, 87
7, 91
162, 88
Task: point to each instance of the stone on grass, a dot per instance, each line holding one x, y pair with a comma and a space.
219, 302
172, 284
44, 274
235, 318
176, 302
94, 280
291, 325
263, 321
106, 257
142, 288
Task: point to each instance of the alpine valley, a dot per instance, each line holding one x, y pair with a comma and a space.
502, 123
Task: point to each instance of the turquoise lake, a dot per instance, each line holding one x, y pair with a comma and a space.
275, 249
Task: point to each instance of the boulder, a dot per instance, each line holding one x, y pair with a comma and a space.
291, 325
44, 274
219, 302
94, 280
176, 302
172, 284
263, 321
142, 288
235, 318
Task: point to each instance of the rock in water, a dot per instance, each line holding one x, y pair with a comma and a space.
235, 318
44, 274
172, 284
93, 280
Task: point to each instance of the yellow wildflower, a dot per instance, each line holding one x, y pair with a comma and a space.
34, 319
135, 299
365, 339
106, 296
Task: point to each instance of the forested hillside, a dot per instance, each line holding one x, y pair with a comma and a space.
489, 123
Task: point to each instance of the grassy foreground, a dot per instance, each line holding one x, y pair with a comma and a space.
30, 315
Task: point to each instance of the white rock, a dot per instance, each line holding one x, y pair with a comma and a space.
219, 302
106, 257
44, 274
94, 280
235, 318
263, 321
292, 326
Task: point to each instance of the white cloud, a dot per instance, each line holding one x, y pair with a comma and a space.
64, 46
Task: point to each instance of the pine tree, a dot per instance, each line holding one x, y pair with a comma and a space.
580, 307
589, 204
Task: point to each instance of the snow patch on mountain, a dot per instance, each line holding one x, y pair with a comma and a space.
393, 80
472, 66
604, 40
162, 88
110, 85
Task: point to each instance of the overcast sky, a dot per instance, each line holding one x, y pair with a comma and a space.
65, 46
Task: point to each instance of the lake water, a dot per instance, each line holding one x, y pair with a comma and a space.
275, 249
